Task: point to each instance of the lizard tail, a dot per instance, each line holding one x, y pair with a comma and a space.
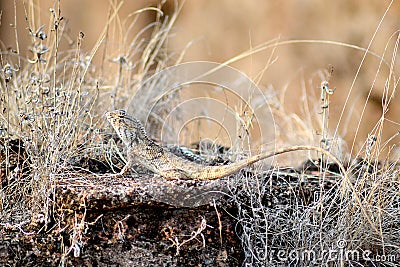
216, 172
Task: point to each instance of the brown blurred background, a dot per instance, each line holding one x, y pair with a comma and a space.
220, 30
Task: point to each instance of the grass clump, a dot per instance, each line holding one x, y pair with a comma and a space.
53, 100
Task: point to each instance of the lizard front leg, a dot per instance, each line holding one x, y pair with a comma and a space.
124, 172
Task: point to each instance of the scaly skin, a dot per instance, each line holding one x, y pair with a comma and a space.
143, 150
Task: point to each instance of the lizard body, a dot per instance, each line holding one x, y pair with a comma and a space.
143, 150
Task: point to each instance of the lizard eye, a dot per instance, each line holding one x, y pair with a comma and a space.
122, 113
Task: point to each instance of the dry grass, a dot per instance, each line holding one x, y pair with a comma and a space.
339, 220
345, 221
53, 102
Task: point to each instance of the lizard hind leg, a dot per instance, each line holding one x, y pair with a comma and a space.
174, 174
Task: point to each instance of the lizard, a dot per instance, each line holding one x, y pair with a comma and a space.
143, 150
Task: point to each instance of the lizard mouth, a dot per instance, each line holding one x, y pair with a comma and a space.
112, 119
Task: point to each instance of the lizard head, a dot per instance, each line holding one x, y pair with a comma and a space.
127, 127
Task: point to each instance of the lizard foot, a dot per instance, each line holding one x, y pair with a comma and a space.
123, 173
